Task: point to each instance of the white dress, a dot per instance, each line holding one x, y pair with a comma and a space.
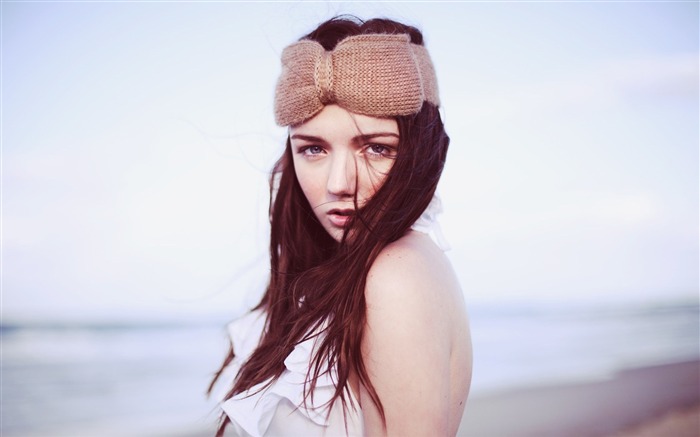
278, 410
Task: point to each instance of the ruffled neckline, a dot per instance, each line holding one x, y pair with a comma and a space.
254, 409
428, 223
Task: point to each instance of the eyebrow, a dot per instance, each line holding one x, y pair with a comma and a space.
360, 138
374, 135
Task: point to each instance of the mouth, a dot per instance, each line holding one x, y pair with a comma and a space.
340, 217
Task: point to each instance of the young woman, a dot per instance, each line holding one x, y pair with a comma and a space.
362, 329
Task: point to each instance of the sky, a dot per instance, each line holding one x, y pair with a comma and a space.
137, 140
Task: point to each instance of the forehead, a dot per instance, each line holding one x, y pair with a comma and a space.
334, 121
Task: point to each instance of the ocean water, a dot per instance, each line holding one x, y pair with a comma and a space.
533, 345
145, 380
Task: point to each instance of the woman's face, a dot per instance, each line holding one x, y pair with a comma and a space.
338, 154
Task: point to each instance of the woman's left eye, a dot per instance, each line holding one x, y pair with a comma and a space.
311, 150
380, 150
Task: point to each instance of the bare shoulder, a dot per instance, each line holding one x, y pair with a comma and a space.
415, 345
412, 267
412, 287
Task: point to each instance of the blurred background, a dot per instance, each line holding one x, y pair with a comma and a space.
137, 139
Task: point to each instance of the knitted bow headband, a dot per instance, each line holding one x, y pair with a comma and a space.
379, 75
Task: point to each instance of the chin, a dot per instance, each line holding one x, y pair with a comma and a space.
336, 234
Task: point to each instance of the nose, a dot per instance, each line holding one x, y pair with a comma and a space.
342, 175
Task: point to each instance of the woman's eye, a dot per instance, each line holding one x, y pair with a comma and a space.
311, 150
380, 150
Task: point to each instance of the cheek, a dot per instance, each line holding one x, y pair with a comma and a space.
373, 177
311, 184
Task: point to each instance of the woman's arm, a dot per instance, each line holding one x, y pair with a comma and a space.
407, 347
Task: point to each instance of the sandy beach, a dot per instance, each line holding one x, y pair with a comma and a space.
679, 423
654, 401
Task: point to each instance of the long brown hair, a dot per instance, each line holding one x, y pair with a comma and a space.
317, 284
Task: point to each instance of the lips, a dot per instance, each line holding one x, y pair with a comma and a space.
340, 217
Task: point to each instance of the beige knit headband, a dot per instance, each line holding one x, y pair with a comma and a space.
379, 75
